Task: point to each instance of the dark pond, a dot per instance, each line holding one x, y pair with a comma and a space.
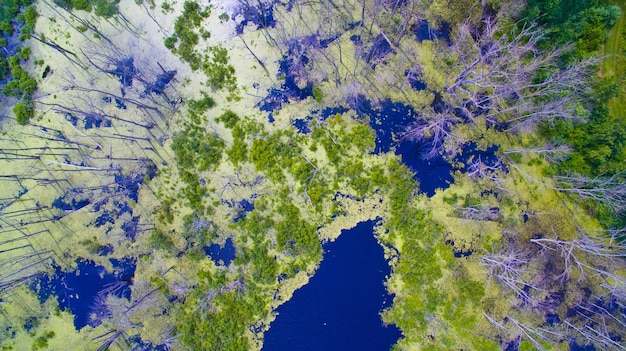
339, 308
431, 173
243, 208
81, 290
423, 31
390, 121
221, 254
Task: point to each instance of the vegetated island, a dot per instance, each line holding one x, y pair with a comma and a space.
170, 171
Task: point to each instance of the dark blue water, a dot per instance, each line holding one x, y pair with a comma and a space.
125, 70
262, 15
339, 308
390, 120
423, 31
432, 174
244, 207
221, 254
80, 290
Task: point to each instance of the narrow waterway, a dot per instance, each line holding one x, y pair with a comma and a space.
340, 307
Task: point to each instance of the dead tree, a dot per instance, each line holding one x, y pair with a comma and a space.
588, 255
505, 76
609, 191
553, 153
479, 212
509, 267
435, 129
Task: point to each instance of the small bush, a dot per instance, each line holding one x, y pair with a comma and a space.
160, 240
229, 118
84, 5
23, 111
317, 94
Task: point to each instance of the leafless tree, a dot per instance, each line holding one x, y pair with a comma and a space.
508, 78
610, 191
479, 212
504, 77
587, 255
551, 152
480, 169
435, 129
509, 267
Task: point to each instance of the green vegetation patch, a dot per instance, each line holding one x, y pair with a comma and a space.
197, 149
103, 8
185, 38
20, 84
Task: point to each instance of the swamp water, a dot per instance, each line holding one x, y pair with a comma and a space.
339, 309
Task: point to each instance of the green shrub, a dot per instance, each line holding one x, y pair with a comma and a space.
84, 5
4, 67
106, 8
198, 150
220, 73
24, 54
318, 95
23, 111
202, 105
170, 42
159, 240
30, 16
229, 118
295, 235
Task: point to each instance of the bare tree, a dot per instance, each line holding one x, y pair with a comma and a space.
479, 212
610, 191
508, 267
435, 129
509, 79
551, 152
503, 77
588, 255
